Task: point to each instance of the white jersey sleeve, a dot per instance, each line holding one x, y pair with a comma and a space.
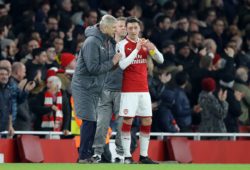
125, 61
158, 57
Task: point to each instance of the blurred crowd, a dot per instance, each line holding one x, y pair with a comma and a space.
203, 84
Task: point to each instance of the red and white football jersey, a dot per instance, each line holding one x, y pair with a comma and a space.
135, 71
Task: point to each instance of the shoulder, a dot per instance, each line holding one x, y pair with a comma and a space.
122, 43
91, 41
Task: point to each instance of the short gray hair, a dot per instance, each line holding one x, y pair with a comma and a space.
56, 81
107, 20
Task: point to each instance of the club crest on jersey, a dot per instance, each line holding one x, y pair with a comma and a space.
125, 111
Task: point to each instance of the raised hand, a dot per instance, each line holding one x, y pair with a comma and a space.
30, 86
54, 107
149, 45
222, 95
22, 84
38, 76
229, 51
140, 43
116, 58
203, 52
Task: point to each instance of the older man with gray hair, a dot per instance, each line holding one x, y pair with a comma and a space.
96, 58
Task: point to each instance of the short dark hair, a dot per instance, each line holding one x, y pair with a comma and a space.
86, 14
181, 78
160, 19
37, 52
132, 20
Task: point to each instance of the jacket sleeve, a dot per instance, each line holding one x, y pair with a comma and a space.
37, 105
92, 55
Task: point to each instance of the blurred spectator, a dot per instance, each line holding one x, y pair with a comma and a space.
218, 34
163, 119
24, 118
27, 52
89, 18
241, 58
9, 49
162, 30
37, 64
51, 108
233, 98
213, 110
242, 86
169, 9
51, 54
168, 51
150, 8
3, 31
195, 43
244, 15
68, 65
65, 12
5, 102
182, 110
59, 45
52, 23
184, 57
41, 16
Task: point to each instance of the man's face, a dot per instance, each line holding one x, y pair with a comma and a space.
110, 30
21, 73
12, 49
32, 45
219, 27
51, 52
4, 76
133, 30
92, 19
197, 40
52, 24
211, 17
59, 45
166, 23
183, 24
3, 12
67, 5
42, 58
185, 51
6, 64
169, 49
120, 29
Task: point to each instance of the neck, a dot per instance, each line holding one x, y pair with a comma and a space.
118, 38
15, 77
52, 91
134, 39
34, 62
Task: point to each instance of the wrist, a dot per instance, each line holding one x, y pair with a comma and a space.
152, 52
